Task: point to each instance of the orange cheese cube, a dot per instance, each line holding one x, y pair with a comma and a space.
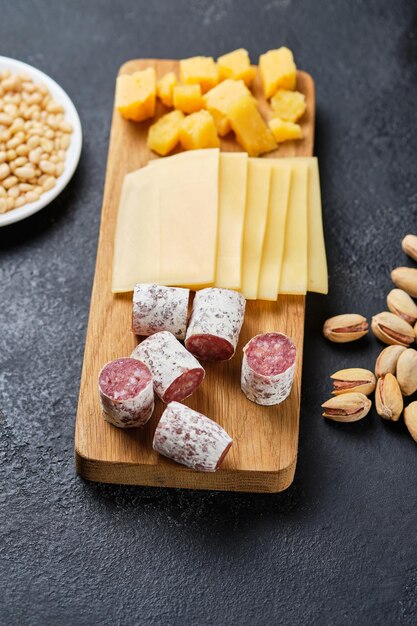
135, 95
277, 70
218, 100
236, 65
188, 98
288, 105
198, 130
164, 135
199, 70
164, 88
284, 131
250, 129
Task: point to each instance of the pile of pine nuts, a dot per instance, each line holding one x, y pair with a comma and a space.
34, 137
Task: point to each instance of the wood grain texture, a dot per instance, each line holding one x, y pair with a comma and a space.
264, 452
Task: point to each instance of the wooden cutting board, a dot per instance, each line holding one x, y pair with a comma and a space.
264, 452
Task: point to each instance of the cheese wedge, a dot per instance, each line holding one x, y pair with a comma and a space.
232, 200
257, 200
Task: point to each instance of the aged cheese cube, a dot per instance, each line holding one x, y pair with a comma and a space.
198, 130
277, 70
219, 99
250, 129
164, 88
236, 65
284, 131
288, 105
164, 135
188, 98
199, 70
135, 95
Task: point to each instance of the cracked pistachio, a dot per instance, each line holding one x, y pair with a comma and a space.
405, 278
400, 303
348, 407
388, 398
409, 245
407, 372
346, 327
410, 419
392, 329
386, 362
354, 379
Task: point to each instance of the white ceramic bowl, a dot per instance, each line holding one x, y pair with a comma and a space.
73, 152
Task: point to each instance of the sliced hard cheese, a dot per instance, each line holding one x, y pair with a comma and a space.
232, 199
273, 248
294, 267
257, 199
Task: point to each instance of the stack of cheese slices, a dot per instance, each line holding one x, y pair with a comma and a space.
206, 218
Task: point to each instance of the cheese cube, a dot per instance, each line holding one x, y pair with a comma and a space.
284, 131
288, 105
236, 65
198, 130
135, 95
164, 135
188, 98
277, 70
250, 129
164, 87
199, 70
219, 99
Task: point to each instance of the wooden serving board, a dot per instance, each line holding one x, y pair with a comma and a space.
264, 452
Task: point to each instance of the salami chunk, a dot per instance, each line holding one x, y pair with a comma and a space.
126, 393
215, 323
157, 308
191, 438
268, 368
176, 373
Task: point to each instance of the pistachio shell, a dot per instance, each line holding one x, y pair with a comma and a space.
405, 278
407, 372
354, 379
400, 303
348, 407
386, 363
409, 245
410, 419
346, 327
392, 329
388, 398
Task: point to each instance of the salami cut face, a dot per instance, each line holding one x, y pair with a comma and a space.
191, 438
126, 393
157, 308
215, 323
268, 368
176, 373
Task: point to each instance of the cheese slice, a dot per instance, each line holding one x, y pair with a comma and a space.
273, 249
232, 200
294, 266
257, 200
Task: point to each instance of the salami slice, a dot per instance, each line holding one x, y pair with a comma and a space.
215, 323
176, 373
268, 368
157, 308
191, 438
126, 393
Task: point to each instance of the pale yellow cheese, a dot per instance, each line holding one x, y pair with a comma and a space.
273, 248
294, 266
257, 199
232, 200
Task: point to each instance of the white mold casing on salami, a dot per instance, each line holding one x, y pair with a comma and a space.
176, 373
191, 438
126, 393
262, 388
215, 324
157, 308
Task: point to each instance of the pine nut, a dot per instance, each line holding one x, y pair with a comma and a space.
25, 172
13, 192
3, 205
4, 171
49, 183
10, 181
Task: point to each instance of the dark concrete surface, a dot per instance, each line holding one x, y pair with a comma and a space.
340, 545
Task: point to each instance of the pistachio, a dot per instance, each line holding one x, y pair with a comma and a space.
354, 379
410, 419
344, 328
405, 278
349, 407
409, 245
388, 398
386, 363
392, 330
400, 303
407, 372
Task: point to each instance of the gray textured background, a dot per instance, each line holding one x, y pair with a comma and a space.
340, 546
